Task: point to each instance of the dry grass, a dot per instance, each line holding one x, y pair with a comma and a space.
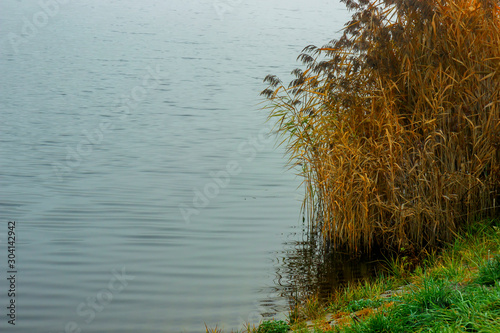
396, 125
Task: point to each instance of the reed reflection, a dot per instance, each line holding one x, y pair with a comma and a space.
312, 268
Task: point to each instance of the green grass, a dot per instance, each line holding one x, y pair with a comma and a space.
457, 290
278, 326
489, 274
439, 307
363, 303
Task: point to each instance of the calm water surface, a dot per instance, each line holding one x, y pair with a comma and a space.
148, 197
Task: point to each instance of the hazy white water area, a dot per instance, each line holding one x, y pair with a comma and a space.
148, 193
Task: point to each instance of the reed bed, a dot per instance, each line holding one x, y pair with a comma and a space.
395, 126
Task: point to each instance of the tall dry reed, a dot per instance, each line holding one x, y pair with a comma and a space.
396, 125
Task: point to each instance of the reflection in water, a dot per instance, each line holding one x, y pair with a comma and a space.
311, 268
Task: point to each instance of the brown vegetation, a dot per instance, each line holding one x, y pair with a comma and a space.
396, 125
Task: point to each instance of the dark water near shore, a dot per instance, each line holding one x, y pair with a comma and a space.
147, 192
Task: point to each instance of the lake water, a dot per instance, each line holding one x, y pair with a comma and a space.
135, 159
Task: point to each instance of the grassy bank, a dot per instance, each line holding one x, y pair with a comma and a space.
457, 290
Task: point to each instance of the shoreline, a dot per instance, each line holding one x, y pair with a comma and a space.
457, 289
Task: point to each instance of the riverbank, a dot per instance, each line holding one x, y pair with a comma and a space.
457, 290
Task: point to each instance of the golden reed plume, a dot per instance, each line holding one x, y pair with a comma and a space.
396, 125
